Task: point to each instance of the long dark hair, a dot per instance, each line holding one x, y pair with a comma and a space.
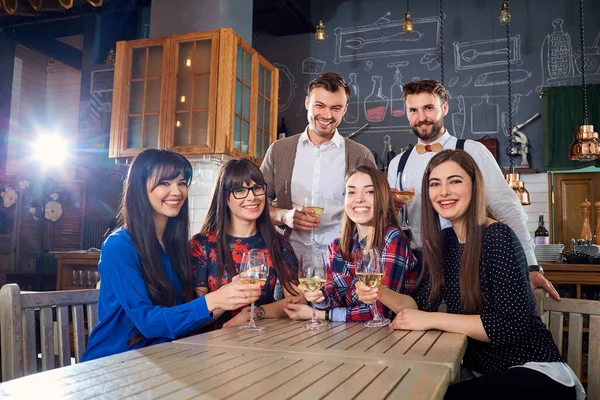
150, 167
383, 213
471, 299
236, 173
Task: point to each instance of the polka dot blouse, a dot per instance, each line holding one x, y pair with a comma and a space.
517, 334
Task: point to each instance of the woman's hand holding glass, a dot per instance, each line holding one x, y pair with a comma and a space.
366, 294
370, 271
232, 296
312, 273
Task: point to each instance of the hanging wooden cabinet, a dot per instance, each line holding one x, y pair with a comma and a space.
196, 93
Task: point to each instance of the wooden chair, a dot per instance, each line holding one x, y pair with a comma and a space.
552, 311
18, 328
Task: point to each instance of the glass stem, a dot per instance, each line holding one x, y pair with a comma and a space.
404, 216
251, 322
375, 312
314, 315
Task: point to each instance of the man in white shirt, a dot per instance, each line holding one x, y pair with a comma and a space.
315, 160
426, 106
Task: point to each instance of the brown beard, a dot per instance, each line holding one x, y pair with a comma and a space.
436, 128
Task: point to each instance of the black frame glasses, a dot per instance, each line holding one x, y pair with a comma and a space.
260, 189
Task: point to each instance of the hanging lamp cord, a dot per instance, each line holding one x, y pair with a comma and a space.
442, 40
510, 124
583, 84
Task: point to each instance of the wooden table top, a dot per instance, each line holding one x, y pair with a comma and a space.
180, 370
344, 340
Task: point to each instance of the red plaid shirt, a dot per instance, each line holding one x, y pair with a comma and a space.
400, 275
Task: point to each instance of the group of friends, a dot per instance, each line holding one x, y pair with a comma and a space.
468, 247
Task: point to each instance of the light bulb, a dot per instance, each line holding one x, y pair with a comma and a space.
407, 26
504, 16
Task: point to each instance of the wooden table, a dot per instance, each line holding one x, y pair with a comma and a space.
184, 370
338, 339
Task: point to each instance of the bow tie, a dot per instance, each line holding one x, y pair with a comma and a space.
435, 148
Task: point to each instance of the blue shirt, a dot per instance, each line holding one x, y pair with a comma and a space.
125, 308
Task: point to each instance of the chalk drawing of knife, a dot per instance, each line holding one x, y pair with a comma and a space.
458, 119
515, 108
501, 77
358, 42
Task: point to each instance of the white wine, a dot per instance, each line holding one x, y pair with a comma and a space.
313, 284
371, 280
254, 281
318, 211
405, 195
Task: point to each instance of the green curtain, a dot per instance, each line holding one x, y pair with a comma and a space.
563, 114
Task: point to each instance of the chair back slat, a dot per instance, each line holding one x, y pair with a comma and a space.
576, 309
18, 328
556, 328
575, 342
593, 385
92, 316
78, 331
63, 337
47, 338
29, 341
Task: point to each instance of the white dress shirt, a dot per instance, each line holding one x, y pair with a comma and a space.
503, 202
319, 168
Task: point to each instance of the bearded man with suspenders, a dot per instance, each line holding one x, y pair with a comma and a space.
426, 106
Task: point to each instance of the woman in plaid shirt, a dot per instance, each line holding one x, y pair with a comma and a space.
368, 221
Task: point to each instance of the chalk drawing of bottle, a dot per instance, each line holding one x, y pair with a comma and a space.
376, 103
354, 104
396, 102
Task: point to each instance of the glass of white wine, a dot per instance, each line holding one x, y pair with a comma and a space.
316, 202
369, 272
312, 276
253, 270
405, 194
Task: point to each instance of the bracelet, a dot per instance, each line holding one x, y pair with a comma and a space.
327, 316
536, 268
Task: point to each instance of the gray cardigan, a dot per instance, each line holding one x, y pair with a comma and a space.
278, 165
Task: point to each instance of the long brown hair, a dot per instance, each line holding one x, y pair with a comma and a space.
471, 299
236, 173
383, 212
150, 167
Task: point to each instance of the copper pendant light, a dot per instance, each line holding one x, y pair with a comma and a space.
585, 145
512, 178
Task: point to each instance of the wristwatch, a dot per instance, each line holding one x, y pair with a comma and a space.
259, 312
536, 268
327, 315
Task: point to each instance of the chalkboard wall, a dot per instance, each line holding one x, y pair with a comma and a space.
366, 45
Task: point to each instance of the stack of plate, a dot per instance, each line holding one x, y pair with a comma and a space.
548, 252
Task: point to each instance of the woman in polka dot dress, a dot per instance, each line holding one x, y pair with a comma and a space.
479, 270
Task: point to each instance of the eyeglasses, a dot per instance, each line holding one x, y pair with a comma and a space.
242, 191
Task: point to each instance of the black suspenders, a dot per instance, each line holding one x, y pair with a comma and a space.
460, 145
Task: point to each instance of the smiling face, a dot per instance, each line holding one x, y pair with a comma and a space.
247, 209
325, 110
450, 191
426, 115
359, 202
167, 197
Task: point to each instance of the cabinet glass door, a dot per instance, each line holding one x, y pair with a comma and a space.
243, 85
263, 124
144, 97
193, 93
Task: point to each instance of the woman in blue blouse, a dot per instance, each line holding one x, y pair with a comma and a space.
237, 221
146, 296
478, 268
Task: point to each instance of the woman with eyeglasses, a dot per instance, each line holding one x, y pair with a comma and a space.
238, 221
147, 295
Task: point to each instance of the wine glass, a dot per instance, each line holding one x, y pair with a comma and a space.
316, 202
369, 271
253, 270
406, 193
312, 275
